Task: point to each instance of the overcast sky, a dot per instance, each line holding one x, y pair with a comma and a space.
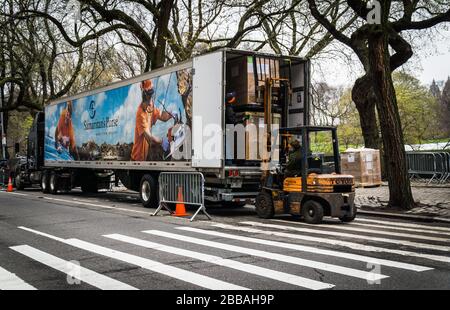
428, 63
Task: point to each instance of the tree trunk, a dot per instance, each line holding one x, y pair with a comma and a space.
162, 22
364, 100
400, 194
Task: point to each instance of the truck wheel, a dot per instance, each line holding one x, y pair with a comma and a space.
53, 184
264, 205
19, 183
147, 192
312, 212
44, 183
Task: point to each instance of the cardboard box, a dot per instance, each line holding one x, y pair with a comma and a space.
364, 165
253, 140
240, 75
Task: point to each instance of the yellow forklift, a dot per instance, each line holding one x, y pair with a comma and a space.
314, 192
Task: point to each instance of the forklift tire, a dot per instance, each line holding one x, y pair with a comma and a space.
148, 191
44, 183
312, 212
264, 205
53, 184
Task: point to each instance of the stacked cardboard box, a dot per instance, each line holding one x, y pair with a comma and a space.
249, 89
253, 137
364, 165
241, 78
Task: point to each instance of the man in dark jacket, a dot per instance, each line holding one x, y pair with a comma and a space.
230, 117
294, 164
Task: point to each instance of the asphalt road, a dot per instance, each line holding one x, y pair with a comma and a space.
108, 241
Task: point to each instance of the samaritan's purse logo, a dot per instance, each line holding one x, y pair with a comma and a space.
92, 109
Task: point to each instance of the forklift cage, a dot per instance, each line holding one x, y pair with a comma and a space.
304, 132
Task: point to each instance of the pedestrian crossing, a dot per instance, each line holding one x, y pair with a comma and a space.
414, 244
9, 281
72, 269
280, 252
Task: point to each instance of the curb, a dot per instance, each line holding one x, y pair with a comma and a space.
421, 218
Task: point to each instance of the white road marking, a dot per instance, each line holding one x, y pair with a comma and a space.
370, 231
426, 231
314, 250
97, 205
42, 234
351, 245
401, 224
177, 273
353, 236
14, 193
9, 281
229, 263
272, 256
85, 275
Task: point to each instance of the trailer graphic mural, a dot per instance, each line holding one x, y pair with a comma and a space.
145, 121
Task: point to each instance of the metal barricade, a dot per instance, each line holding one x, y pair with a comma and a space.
445, 166
191, 185
433, 164
422, 164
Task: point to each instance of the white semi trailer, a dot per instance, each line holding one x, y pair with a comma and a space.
171, 119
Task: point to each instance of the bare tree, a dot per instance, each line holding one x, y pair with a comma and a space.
372, 43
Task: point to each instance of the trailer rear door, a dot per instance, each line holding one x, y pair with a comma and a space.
207, 135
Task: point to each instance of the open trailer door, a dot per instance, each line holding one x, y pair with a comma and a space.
207, 134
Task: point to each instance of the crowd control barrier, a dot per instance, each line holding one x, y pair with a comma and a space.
182, 188
434, 166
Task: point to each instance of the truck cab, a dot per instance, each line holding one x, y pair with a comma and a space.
28, 170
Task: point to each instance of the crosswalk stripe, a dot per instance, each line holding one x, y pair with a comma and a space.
9, 281
352, 245
272, 256
85, 275
248, 268
302, 248
370, 231
177, 273
174, 272
42, 234
404, 229
353, 236
401, 224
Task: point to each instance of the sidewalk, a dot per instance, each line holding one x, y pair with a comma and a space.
434, 202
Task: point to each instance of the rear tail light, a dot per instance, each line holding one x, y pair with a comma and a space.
233, 173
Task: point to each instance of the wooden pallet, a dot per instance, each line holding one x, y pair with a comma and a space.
367, 185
